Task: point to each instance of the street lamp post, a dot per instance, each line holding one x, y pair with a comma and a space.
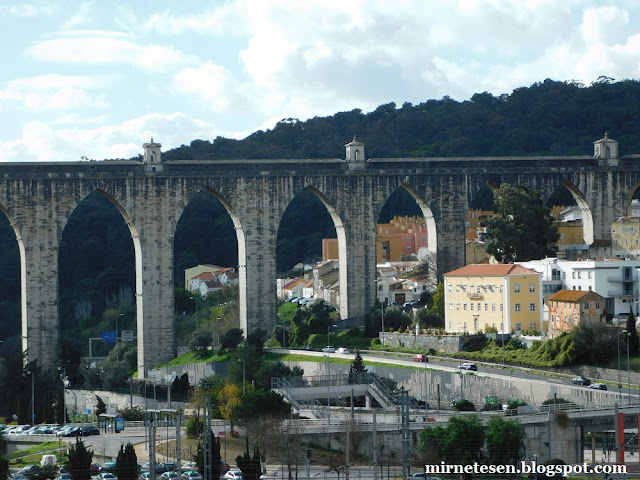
64, 400
382, 315
624, 332
196, 302
244, 384
628, 365
33, 405
117, 332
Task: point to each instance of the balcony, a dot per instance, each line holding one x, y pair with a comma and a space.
627, 292
475, 295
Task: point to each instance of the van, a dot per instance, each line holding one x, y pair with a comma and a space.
48, 460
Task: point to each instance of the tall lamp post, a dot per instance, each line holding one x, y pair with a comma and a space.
33, 405
244, 384
196, 302
624, 332
382, 315
64, 401
117, 332
628, 365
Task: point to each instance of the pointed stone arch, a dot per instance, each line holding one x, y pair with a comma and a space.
242, 254
585, 210
137, 252
342, 243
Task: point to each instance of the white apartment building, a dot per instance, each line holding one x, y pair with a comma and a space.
617, 280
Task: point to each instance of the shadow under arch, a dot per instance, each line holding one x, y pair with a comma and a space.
137, 251
23, 277
342, 247
585, 211
242, 257
432, 236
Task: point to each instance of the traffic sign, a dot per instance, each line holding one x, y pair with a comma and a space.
110, 337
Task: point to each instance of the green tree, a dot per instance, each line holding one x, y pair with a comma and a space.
461, 442
248, 465
523, 227
100, 406
231, 339
427, 319
262, 403
200, 342
505, 441
4, 462
79, 461
127, 463
214, 461
357, 368
438, 301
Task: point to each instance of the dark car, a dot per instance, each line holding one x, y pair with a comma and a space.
95, 468
89, 430
581, 380
108, 467
308, 348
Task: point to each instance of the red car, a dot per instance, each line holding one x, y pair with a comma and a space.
421, 357
95, 468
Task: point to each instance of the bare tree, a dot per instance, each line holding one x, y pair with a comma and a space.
82, 309
285, 437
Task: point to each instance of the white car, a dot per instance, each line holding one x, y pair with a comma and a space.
329, 349
233, 475
343, 350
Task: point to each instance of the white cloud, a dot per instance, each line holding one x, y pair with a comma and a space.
107, 48
41, 142
53, 92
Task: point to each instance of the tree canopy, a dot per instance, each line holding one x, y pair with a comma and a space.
522, 228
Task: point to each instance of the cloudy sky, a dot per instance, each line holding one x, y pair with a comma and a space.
98, 78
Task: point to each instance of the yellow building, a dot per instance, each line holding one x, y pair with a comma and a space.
401, 236
482, 295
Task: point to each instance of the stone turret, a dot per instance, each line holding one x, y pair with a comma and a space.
606, 151
355, 154
152, 156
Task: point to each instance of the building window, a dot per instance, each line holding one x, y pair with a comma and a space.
516, 288
517, 306
471, 306
532, 307
533, 326
493, 307
450, 306
532, 288
457, 307
597, 304
457, 288
486, 307
464, 307
518, 327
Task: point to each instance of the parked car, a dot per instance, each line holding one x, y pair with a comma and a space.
146, 467
233, 475
171, 475
63, 476
468, 366
224, 467
188, 466
343, 350
581, 380
308, 348
329, 349
95, 468
106, 476
144, 476
598, 386
191, 475
108, 467
89, 430
170, 467
421, 357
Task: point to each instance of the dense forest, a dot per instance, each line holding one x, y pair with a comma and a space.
96, 252
547, 118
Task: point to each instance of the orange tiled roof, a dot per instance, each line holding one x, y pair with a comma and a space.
205, 276
569, 295
498, 270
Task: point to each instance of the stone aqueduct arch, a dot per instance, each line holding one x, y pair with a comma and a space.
38, 199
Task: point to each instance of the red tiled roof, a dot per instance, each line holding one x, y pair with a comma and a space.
570, 295
498, 270
205, 276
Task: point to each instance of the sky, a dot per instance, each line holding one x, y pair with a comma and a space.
97, 79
